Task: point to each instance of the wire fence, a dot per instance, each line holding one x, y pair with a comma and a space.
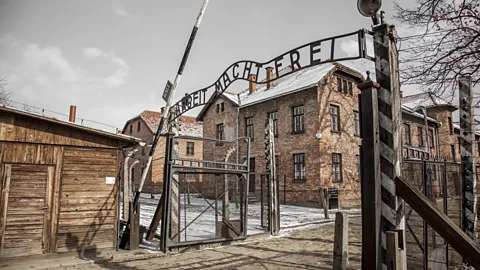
441, 183
59, 116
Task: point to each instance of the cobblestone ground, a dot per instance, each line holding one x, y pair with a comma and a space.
309, 248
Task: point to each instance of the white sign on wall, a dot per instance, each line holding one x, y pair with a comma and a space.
109, 180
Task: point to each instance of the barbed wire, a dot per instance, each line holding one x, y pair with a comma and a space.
50, 113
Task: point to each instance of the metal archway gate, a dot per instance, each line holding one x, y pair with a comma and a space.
181, 224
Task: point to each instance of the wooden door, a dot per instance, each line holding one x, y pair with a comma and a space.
25, 209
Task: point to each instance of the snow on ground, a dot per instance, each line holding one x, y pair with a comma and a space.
200, 218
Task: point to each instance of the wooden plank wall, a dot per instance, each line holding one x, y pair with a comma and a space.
19, 128
87, 216
83, 206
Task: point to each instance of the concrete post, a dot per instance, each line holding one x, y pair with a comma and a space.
340, 248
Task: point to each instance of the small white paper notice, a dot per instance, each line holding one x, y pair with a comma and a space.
109, 180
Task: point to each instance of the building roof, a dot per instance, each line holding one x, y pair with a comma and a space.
188, 124
53, 120
426, 99
295, 82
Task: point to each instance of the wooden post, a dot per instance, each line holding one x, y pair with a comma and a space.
370, 181
323, 198
467, 137
393, 260
134, 226
340, 247
390, 135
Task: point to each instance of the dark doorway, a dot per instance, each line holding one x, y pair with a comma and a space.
251, 181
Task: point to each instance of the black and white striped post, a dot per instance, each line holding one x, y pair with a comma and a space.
168, 105
390, 124
467, 137
381, 122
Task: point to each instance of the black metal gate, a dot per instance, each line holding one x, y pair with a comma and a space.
440, 181
206, 197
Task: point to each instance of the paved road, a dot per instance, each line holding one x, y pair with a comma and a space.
310, 248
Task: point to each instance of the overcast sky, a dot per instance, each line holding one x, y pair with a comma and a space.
112, 58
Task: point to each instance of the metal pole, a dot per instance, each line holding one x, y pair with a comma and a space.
169, 101
445, 203
425, 225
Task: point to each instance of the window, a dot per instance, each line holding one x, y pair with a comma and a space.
130, 129
334, 118
420, 136
189, 175
274, 117
431, 138
220, 134
298, 119
336, 167
357, 160
450, 125
277, 165
356, 123
190, 148
478, 147
249, 127
138, 126
452, 149
220, 107
344, 86
299, 165
408, 134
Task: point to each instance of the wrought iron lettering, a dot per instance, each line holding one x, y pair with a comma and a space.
242, 70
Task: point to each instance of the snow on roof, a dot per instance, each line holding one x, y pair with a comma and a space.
407, 110
231, 96
188, 124
300, 80
424, 99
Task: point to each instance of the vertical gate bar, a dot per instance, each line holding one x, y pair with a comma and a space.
390, 124
262, 207
216, 202
370, 182
185, 185
425, 225
445, 203
467, 136
166, 194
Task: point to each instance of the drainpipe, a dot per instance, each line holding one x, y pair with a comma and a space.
130, 180
425, 123
238, 152
126, 185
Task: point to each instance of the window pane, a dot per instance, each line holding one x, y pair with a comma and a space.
339, 85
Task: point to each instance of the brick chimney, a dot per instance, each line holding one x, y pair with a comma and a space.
73, 113
401, 94
252, 86
269, 77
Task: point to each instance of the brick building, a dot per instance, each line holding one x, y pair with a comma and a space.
144, 126
315, 113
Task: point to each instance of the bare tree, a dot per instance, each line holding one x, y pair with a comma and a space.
5, 95
449, 46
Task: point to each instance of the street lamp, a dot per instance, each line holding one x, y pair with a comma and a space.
369, 8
